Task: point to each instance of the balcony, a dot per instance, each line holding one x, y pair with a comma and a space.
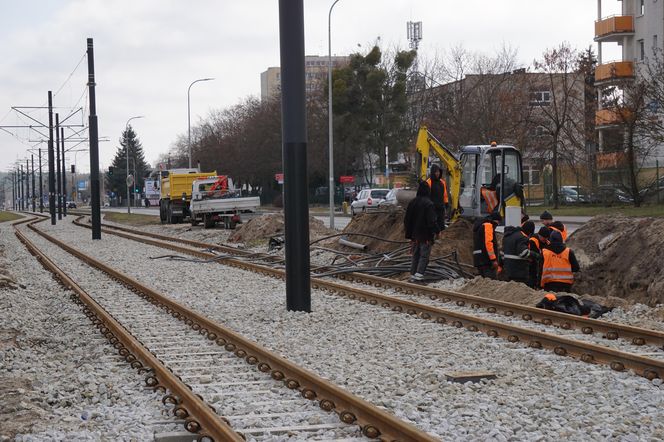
612, 117
614, 71
614, 28
612, 160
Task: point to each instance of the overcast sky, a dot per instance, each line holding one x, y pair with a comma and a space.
147, 52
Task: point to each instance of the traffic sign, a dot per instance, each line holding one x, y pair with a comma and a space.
346, 179
130, 180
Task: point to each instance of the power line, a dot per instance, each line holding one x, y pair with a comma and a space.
71, 74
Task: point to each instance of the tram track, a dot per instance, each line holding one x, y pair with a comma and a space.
562, 346
192, 376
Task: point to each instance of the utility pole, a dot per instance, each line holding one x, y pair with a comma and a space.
294, 153
32, 157
51, 161
57, 164
94, 147
41, 186
64, 173
20, 187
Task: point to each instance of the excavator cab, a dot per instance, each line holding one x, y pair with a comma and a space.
494, 168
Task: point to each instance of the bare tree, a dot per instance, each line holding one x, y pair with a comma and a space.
559, 96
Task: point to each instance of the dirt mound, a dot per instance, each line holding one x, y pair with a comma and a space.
621, 257
389, 225
265, 226
519, 293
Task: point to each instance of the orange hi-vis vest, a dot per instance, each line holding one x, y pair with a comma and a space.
557, 267
563, 233
490, 197
442, 181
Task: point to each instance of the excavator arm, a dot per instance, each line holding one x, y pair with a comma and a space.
426, 143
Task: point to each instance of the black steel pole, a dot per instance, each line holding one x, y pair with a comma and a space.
51, 161
41, 186
294, 154
21, 190
57, 164
94, 147
32, 158
64, 173
14, 191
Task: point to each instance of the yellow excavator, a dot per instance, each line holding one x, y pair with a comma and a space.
476, 171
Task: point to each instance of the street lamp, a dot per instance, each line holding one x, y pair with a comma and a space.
127, 149
189, 113
329, 112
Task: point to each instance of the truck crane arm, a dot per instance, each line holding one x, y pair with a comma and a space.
426, 143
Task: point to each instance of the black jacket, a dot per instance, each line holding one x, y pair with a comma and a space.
480, 254
517, 254
420, 220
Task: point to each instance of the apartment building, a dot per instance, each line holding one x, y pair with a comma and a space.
638, 31
315, 71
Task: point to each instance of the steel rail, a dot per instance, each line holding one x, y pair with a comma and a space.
200, 417
374, 422
562, 346
608, 330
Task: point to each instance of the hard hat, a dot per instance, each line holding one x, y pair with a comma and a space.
550, 297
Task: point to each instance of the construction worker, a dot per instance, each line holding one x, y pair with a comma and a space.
421, 228
535, 261
489, 194
439, 195
517, 254
485, 246
547, 219
558, 266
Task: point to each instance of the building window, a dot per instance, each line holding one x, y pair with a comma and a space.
642, 50
540, 98
531, 176
642, 7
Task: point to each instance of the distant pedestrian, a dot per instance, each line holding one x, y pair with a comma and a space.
547, 219
421, 228
559, 265
485, 246
439, 195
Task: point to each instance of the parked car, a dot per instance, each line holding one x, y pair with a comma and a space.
652, 189
368, 199
71, 205
572, 195
391, 199
610, 194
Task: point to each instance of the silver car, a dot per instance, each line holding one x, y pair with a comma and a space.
367, 199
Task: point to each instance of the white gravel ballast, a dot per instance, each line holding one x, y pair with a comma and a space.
400, 362
60, 380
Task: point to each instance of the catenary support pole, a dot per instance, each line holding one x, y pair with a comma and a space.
41, 185
330, 124
294, 153
57, 164
33, 195
51, 161
94, 147
20, 191
64, 173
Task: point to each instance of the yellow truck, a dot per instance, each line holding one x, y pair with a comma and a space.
175, 193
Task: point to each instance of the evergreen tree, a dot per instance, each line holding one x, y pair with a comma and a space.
116, 182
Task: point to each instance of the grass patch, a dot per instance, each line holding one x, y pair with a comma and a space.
592, 210
9, 216
133, 219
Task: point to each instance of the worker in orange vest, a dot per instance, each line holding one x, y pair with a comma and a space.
490, 194
547, 219
485, 246
559, 265
439, 195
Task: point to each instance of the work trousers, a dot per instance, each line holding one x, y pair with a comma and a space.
557, 287
487, 271
420, 260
